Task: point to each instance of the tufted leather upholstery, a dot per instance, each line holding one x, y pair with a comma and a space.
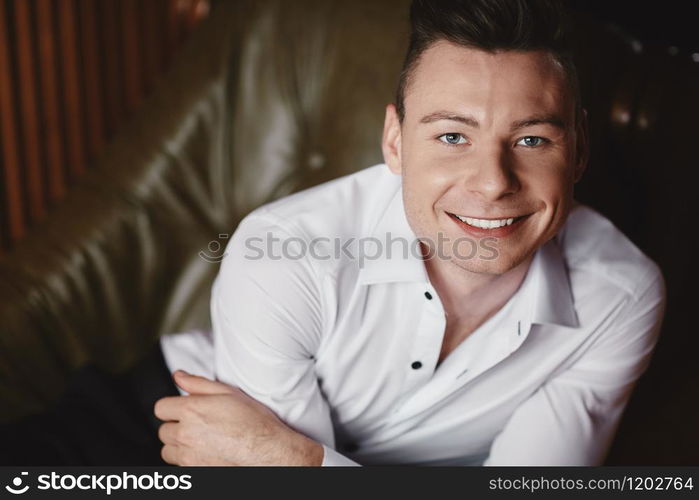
271, 97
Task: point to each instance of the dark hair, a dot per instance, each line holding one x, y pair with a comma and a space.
490, 25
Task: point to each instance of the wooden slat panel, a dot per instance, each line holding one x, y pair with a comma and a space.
173, 27
89, 44
152, 36
70, 73
29, 118
4, 237
10, 147
111, 65
163, 20
191, 15
50, 104
130, 40
198, 9
73, 117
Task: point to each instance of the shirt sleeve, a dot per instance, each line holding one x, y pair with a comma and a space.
572, 419
267, 320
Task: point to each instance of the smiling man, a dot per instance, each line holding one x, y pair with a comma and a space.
524, 352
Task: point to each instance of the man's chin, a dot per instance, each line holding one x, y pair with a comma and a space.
498, 265
478, 266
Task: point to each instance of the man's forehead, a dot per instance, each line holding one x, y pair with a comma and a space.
447, 73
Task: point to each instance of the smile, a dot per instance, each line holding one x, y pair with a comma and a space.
486, 223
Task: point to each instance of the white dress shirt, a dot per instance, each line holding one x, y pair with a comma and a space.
347, 353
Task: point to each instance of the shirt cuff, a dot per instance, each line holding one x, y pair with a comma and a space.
332, 458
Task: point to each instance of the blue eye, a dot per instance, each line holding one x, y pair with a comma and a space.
531, 141
452, 139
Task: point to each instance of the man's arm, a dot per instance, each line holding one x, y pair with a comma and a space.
267, 317
572, 419
217, 424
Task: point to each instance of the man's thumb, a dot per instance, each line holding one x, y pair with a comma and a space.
195, 384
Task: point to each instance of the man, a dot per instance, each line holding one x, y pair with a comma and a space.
513, 336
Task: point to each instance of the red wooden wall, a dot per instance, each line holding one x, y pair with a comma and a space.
71, 71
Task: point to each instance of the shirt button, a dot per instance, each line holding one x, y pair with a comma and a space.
428, 295
416, 365
351, 447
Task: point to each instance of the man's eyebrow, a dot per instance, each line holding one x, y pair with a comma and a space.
552, 120
445, 115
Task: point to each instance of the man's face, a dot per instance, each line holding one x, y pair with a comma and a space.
488, 148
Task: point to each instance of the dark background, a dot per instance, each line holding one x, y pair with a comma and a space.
673, 23
641, 177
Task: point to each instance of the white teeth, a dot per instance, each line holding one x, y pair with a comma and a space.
486, 223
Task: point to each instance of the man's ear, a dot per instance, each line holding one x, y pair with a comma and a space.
582, 146
391, 140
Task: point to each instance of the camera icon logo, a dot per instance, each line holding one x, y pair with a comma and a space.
17, 483
216, 251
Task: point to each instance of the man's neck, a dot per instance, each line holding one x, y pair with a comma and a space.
473, 297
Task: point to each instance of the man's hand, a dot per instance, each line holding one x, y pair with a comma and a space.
217, 424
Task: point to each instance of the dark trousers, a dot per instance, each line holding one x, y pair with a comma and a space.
101, 419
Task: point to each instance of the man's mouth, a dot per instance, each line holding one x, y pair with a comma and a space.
487, 223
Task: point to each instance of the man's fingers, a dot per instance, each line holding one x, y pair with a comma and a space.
167, 433
169, 454
169, 408
194, 384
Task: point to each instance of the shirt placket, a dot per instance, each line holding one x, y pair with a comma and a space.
422, 359
509, 332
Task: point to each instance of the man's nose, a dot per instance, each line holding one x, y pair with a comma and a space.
490, 175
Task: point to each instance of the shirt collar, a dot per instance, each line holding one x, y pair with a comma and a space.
403, 262
546, 286
553, 298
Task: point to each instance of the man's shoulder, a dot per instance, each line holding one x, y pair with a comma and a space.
595, 248
344, 207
